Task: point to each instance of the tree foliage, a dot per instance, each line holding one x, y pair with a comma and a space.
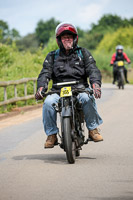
6, 35
45, 30
108, 20
29, 42
4, 28
6, 56
107, 24
14, 34
123, 36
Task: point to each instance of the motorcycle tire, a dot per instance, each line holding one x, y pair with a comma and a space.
69, 145
121, 80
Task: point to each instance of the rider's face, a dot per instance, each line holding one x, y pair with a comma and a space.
67, 41
119, 50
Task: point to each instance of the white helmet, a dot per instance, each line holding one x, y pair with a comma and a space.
119, 47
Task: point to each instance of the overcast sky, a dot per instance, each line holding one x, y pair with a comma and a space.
24, 15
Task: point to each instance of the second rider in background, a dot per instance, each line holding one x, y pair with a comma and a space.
119, 56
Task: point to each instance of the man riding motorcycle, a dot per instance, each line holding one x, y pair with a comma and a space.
119, 56
68, 65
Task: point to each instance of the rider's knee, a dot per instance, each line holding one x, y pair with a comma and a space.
49, 101
85, 98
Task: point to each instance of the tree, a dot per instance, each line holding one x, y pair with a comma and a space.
90, 40
14, 34
7, 35
80, 32
29, 42
131, 21
107, 24
123, 36
45, 30
110, 20
4, 28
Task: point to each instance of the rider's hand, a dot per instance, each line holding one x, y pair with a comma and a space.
96, 90
38, 95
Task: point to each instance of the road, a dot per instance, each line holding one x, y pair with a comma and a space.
104, 171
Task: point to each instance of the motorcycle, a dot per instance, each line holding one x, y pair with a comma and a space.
120, 74
72, 135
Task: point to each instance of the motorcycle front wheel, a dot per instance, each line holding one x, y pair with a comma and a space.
69, 145
121, 80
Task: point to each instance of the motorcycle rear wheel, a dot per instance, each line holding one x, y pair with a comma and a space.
69, 145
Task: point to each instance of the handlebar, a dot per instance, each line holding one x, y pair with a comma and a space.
66, 83
75, 90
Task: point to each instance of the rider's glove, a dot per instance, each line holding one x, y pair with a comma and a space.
96, 90
39, 93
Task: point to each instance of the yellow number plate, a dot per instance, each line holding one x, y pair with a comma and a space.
66, 92
120, 63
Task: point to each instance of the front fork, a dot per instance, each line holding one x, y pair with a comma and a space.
65, 111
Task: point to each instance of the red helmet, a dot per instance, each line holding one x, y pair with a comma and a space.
66, 27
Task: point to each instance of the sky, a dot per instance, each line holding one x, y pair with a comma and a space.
23, 15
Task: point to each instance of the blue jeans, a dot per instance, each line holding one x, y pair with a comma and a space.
92, 118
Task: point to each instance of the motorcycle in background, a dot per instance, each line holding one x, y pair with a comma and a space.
120, 74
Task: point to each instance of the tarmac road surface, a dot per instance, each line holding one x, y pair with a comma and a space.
104, 171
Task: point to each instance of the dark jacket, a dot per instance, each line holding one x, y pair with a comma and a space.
69, 67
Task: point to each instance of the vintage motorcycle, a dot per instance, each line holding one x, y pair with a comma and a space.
71, 118
120, 74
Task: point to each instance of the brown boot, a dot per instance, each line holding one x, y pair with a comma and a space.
51, 141
95, 136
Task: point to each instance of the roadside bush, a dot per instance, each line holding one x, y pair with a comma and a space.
6, 56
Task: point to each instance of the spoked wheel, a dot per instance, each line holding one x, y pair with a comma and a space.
68, 143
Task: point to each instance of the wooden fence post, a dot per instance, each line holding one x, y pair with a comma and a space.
25, 91
5, 98
15, 91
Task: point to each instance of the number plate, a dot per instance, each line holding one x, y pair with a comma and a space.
66, 92
120, 63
